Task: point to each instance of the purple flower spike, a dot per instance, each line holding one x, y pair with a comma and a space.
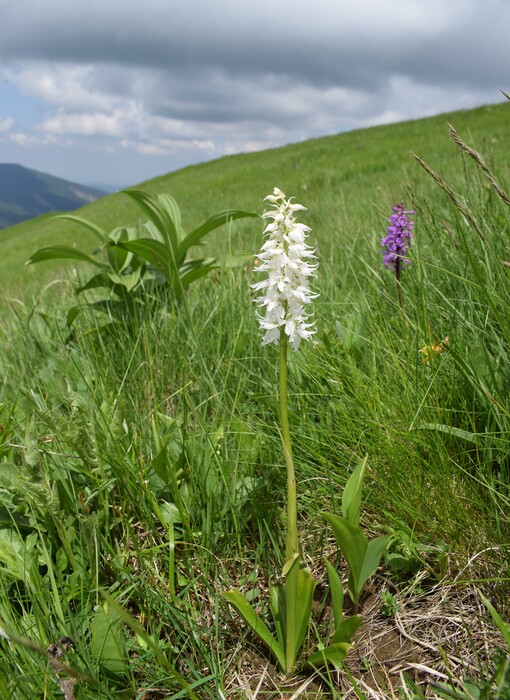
398, 239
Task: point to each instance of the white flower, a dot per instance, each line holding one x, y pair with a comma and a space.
285, 257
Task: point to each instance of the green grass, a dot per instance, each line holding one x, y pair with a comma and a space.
359, 171
132, 477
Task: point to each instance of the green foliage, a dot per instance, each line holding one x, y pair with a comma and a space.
345, 628
362, 556
389, 604
144, 462
142, 260
406, 555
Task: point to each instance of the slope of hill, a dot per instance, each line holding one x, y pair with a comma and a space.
26, 193
362, 171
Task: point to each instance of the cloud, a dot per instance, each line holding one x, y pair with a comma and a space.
160, 78
27, 140
6, 123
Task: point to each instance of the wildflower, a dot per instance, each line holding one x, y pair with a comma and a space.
286, 258
433, 350
398, 239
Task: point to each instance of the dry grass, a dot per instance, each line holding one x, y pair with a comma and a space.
439, 633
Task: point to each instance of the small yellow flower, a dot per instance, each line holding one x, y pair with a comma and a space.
429, 351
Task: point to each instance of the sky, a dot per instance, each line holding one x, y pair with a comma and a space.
118, 91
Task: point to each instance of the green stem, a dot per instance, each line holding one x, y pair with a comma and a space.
399, 284
291, 544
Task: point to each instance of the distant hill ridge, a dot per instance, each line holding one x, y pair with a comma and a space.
26, 193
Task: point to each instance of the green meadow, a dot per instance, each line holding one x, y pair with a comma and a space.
141, 466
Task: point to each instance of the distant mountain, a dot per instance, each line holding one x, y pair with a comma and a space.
109, 189
26, 193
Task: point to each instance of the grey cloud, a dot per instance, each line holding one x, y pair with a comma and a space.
159, 73
324, 42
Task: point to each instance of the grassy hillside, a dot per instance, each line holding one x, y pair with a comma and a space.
359, 171
145, 468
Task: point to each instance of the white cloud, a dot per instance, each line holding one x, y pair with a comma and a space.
23, 139
6, 123
86, 124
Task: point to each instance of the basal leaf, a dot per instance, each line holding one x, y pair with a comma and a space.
72, 314
107, 644
161, 210
372, 558
155, 253
279, 611
96, 230
119, 258
95, 282
213, 222
306, 586
347, 629
203, 268
353, 543
337, 593
251, 618
63, 252
148, 640
334, 654
351, 499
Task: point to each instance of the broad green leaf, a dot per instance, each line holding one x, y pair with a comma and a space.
353, 543
351, 499
129, 282
334, 654
291, 573
119, 258
97, 230
170, 206
107, 644
289, 564
122, 233
213, 222
347, 629
279, 611
95, 282
169, 513
164, 213
337, 593
156, 253
161, 464
474, 690
17, 554
372, 558
153, 232
63, 252
306, 586
72, 314
206, 266
251, 618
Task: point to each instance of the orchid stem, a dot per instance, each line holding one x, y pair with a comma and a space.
291, 545
399, 284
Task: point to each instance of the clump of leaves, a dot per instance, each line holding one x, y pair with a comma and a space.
362, 555
141, 260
